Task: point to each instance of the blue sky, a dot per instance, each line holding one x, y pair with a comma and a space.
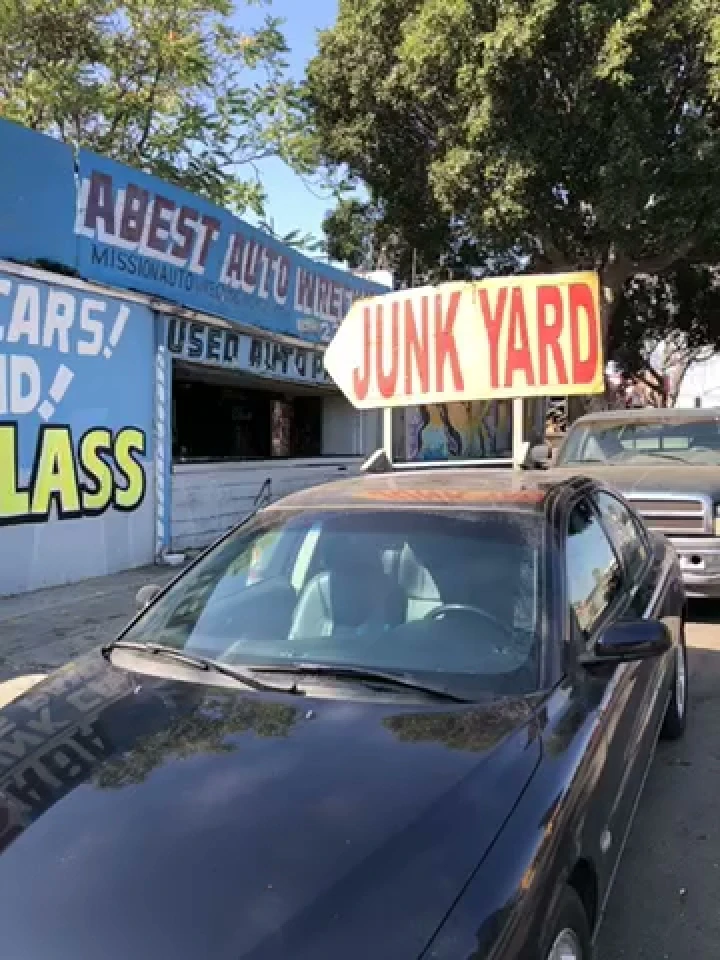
291, 205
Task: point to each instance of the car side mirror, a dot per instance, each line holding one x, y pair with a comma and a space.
630, 640
146, 595
541, 455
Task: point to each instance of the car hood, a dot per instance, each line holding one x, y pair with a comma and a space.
648, 479
149, 818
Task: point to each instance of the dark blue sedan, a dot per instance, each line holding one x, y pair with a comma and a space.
402, 716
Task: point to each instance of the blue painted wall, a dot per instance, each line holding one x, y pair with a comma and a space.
85, 385
37, 198
76, 434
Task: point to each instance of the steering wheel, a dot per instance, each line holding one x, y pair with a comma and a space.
469, 608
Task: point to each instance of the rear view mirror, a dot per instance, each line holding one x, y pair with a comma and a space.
146, 595
631, 640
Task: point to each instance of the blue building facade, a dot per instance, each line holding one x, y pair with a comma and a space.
160, 359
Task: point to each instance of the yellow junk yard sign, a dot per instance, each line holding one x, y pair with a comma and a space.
505, 337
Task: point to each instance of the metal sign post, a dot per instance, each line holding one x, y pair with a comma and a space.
519, 451
387, 432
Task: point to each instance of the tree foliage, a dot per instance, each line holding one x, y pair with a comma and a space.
537, 134
171, 87
664, 323
350, 229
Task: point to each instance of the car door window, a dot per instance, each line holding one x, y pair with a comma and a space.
593, 572
626, 534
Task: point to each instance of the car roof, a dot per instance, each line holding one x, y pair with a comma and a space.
651, 415
425, 487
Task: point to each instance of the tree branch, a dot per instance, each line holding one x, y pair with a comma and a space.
651, 265
150, 115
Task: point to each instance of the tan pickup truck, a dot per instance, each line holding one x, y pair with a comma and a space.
667, 464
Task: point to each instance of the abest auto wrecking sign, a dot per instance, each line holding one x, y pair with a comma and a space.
506, 337
138, 232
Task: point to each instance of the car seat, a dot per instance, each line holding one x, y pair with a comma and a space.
351, 595
417, 582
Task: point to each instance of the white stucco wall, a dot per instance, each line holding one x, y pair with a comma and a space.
701, 380
208, 499
77, 437
347, 432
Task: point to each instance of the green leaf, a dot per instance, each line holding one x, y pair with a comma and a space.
527, 134
178, 88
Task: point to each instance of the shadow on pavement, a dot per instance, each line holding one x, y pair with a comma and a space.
705, 611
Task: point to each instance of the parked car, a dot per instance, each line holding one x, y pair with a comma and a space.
666, 462
398, 716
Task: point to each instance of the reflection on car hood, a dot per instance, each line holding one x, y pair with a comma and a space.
149, 818
648, 478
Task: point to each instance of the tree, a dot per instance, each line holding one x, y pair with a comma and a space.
295, 238
555, 134
171, 87
350, 231
665, 323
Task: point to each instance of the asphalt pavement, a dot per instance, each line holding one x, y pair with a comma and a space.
41, 631
665, 904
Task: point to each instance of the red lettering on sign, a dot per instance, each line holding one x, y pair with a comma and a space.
549, 300
186, 231
445, 344
387, 382
250, 264
159, 232
100, 202
282, 278
305, 290
232, 269
323, 297
493, 324
581, 299
361, 378
518, 357
417, 348
133, 216
519, 336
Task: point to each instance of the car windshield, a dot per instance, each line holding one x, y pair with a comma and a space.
663, 440
451, 598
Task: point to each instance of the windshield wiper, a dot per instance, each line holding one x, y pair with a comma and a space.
240, 674
360, 675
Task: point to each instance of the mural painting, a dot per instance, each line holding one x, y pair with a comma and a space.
76, 414
478, 430
481, 430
